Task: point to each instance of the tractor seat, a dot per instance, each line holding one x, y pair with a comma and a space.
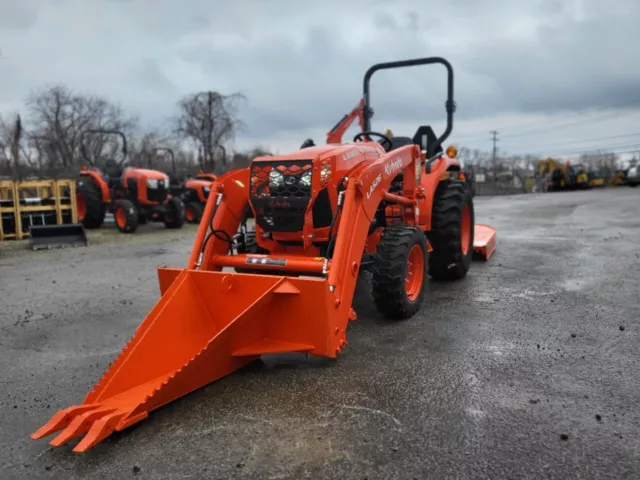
113, 172
397, 142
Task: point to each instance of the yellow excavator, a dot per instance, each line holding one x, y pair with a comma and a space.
563, 176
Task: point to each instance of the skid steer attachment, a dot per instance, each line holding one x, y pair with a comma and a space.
55, 236
322, 215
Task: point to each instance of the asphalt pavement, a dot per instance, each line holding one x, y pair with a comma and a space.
526, 369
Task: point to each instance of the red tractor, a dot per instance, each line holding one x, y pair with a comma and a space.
133, 195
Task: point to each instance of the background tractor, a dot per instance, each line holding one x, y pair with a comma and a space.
193, 191
133, 195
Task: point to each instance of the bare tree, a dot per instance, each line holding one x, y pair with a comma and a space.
209, 119
60, 116
243, 159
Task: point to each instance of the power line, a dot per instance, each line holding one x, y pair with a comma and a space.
577, 142
606, 111
628, 148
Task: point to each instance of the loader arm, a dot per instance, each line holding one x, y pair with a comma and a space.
337, 132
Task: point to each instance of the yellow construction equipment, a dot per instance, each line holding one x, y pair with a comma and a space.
563, 176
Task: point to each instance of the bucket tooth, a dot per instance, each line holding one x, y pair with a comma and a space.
61, 419
190, 339
80, 425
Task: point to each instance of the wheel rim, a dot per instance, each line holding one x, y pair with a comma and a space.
465, 229
81, 206
121, 217
415, 272
189, 214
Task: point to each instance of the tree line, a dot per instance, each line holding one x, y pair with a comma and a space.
47, 138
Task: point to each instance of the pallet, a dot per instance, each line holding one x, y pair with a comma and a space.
37, 199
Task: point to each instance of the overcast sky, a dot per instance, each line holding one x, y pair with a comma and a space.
553, 76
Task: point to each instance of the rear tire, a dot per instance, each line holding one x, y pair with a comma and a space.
174, 218
399, 272
125, 215
193, 212
90, 207
452, 230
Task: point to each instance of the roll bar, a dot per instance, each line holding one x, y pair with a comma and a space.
97, 131
450, 105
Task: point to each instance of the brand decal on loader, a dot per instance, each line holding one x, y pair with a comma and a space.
374, 185
279, 204
393, 167
280, 262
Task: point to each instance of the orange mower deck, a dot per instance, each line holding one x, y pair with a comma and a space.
484, 241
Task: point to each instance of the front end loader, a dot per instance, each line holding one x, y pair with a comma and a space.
322, 214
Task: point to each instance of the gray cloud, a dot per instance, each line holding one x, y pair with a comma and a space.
18, 15
301, 65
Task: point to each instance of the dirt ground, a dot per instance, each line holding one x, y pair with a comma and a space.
527, 368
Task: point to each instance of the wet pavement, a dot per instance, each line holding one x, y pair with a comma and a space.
527, 368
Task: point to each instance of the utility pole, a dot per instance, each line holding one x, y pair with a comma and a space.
494, 159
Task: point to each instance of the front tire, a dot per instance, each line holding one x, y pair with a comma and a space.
89, 205
193, 212
125, 215
399, 272
174, 218
452, 230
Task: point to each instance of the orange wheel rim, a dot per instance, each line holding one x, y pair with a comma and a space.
81, 206
121, 217
189, 214
415, 272
465, 229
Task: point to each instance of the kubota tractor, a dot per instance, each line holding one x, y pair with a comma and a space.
132, 195
195, 195
321, 218
193, 192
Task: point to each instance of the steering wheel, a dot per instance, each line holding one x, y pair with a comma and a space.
359, 137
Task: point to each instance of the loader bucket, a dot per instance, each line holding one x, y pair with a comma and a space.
52, 236
484, 241
190, 339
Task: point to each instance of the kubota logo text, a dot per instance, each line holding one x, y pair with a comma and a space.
393, 167
373, 186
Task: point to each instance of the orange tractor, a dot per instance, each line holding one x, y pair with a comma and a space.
320, 220
195, 195
193, 192
132, 195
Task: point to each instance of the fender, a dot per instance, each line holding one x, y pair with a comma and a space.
429, 183
98, 180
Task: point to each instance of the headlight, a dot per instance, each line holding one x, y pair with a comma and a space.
325, 173
152, 183
305, 179
276, 178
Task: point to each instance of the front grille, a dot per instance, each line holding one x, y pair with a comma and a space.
159, 194
280, 195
